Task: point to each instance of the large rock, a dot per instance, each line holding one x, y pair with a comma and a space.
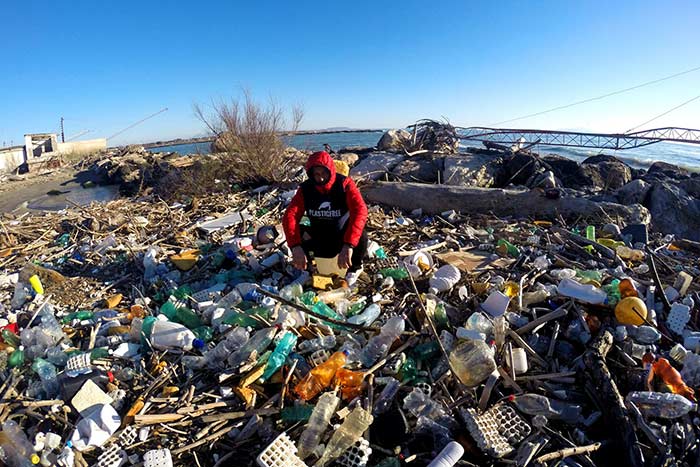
394, 141
674, 211
519, 168
668, 170
376, 165
349, 158
419, 169
609, 172
595, 173
474, 170
633, 192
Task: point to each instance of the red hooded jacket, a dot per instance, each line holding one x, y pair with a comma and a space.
356, 205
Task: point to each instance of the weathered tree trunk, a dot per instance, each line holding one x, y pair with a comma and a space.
438, 198
609, 398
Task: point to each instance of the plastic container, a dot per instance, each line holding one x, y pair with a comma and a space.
255, 346
96, 429
329, 266
279, 355
368, 316
280, 453
444, 279
387, 396
158, 458
164, 335
318, 423
662, 405
678, 318
449, 456
519, 363
631, 310
583, 292
472, 361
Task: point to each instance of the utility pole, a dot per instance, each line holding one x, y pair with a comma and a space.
63, 135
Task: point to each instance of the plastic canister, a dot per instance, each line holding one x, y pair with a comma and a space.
519, 363
329, 266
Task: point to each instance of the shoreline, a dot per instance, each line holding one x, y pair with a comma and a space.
209, 139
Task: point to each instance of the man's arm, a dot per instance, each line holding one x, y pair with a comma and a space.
358, 213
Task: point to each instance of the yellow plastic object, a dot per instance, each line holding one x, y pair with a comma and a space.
36, 284
329, 266
610, 243
185, 260
511, 288
113, 301
342, 167
625, 311
544, 224
321, 282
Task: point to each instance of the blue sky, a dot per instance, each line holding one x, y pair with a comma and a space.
105, 65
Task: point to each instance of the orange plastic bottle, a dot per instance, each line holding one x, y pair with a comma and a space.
136, 311
350, 382
627, 288
670, 376
320, 377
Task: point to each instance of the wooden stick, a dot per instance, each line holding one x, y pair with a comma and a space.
566, 452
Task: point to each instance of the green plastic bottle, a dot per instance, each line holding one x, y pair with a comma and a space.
79, 315
205, 333
16, 358
394, 273
99, 352
511, 249
10, 338
408, 371
188, 318
297, 413
279, 355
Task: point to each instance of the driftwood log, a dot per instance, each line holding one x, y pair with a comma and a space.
608, 397
433, 199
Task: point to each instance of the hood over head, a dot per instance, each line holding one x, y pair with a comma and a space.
321, 159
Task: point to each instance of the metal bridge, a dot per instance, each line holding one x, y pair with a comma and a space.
582, 140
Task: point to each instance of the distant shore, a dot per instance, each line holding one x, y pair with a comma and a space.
208, 139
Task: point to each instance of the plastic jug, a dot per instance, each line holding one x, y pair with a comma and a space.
444, 279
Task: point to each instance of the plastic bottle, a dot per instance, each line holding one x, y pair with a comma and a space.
583, 292
378, 346
47, 372
662, 405
368, 316
444, 279
10, 338
386, 397
644, 334
164, 335
536, 404
354, 425
318, 423
350, 382
670, 376
324, 310
631, 310
333, 296
449, 456
537, 296
561, 274
279, 355
16, 358
320, 377
323, 342
218, 356
477, 321
256, 345
19, 296
472, 361
16, 448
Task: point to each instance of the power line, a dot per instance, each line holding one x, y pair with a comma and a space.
591, 99
665, 113
137, 123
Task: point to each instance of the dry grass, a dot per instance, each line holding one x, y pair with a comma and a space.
248, 138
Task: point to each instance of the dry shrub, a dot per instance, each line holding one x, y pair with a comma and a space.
248, 138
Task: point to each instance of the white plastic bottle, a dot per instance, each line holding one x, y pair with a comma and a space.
444, 279
583, 292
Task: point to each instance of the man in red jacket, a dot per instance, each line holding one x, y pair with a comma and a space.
337, 213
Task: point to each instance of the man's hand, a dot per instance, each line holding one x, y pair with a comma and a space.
299, 258
344, 257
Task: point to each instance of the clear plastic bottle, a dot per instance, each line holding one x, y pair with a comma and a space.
472, 361
583, 292
663, 405
19, 296
480, 323
47, 373
644, 334
444, 279
354, 425
333, 296
449, 456
15, 448
368, 316
255, 345
323, 342
318, 423
279, 355
378, 346
536, 404
386, 397
217, 357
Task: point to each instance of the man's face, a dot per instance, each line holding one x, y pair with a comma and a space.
320, 175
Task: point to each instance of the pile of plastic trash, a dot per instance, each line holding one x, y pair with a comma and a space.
465, 342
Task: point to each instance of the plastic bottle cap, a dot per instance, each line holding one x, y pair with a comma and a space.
511, 398
35, 459
198, 343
